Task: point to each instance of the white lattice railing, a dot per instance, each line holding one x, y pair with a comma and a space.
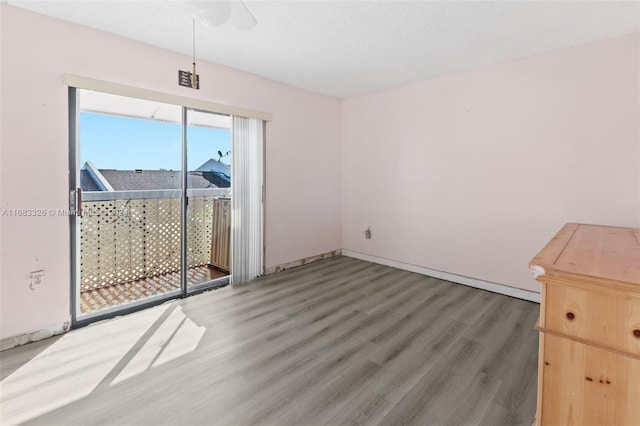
131, 235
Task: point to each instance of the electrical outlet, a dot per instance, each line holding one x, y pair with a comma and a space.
367, 233
36, 279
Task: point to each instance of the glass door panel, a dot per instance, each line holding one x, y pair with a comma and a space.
129, 174
209, 198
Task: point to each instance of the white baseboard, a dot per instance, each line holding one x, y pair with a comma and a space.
34, 336
471, 282
300, 262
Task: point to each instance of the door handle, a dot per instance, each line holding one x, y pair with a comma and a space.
79, 202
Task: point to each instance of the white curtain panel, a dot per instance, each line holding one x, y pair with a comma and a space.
246, 199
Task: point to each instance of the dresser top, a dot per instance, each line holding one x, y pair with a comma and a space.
592, 253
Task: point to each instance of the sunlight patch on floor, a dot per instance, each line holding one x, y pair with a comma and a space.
85, 359
177, 336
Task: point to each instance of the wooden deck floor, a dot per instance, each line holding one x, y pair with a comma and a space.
338, 341
115, 295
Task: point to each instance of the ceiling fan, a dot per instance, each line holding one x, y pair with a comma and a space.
213, 13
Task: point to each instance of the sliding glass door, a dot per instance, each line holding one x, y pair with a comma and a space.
208, 154
151, 184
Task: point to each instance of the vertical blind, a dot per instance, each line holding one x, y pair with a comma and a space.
246, 199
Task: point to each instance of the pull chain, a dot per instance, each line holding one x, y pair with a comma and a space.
193, 74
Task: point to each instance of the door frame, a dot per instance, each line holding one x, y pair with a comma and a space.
77, 318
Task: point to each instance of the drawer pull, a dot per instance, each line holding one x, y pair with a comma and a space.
570, 316
636, 333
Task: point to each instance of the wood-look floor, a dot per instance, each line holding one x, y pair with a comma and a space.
338, 341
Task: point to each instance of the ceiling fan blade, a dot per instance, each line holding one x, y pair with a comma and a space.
212, 13
241, 16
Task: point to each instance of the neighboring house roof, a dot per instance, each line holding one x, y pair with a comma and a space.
215, 166
212, 174
216, 172
86, 181
123, 180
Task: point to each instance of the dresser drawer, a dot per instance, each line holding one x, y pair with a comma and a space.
606, 319
583, 385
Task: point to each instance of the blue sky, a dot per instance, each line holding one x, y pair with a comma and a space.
122, 143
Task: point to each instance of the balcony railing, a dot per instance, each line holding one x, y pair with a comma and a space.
132, 235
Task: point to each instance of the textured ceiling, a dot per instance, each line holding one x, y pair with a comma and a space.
348, 48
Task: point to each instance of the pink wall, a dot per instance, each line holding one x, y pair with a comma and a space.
472, 173
303, 143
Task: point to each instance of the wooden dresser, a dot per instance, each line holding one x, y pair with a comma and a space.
589, 354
